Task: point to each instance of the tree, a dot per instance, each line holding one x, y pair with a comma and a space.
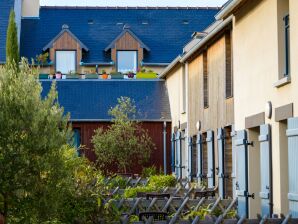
125, 142
37, 167
12, 48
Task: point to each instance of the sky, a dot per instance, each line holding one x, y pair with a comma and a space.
196, 3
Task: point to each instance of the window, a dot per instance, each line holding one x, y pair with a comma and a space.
229, 77
287, 44
127, 61
65, 61
184, 71
205, 80
77, 139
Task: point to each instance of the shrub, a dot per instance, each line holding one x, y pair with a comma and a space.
132, 192
149, 171
162, 181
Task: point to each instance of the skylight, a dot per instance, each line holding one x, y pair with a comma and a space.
145, 22
90, 21
185, 22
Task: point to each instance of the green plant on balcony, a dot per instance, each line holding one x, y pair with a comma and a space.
104, 74
42, 60
144, 74
72, 75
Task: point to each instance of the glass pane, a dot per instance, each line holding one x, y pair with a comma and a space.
127, 61
65, 61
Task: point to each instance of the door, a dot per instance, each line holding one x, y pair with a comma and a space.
266, 167
242, 173
190, 161
221, 162
210, 155
199, 157
292, 133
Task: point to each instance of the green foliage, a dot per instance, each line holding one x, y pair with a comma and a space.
131, 192
42, 179
149, 171
42, 59
125, 142
156, 184
117, 181
162, 181
12, 48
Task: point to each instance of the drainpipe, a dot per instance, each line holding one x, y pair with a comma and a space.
165, 147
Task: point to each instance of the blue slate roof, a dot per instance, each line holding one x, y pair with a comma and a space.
166, 31
5, 7
90, 100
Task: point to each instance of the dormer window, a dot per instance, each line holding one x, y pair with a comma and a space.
127, 51
127, 61
66, 61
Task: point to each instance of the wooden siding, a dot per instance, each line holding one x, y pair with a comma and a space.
155, 130
129, 43
220, 111
66, 42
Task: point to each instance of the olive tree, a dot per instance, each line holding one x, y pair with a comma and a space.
38, 170
125, 142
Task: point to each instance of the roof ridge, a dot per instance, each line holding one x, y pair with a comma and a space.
135, 7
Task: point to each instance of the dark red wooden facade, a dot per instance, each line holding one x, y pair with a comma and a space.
155, 130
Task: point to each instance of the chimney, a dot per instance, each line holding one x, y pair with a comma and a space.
30, 8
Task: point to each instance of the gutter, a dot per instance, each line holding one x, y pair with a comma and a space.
208, 37
169, 67
154, 64
96, 63
109, 120
227, 9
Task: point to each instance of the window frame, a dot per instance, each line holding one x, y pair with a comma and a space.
286, 19
117, 57
205, 80
74, 50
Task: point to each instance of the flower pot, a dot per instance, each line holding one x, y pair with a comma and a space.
72, 76
130, 75
43, 76
58, 75
104, 76
63, 76
91, 76
117, 75
82, 76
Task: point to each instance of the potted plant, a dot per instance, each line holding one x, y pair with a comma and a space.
58, 75
130, 75
41, 60
82, 76
143, 74
116, 75
72, 75
104, 74
92, 74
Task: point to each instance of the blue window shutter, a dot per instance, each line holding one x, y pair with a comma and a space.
173, 153
190, 162
210, 147
178, 154
221, 162
265, 159
292, 133
242, 173
199, 157
234, 160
